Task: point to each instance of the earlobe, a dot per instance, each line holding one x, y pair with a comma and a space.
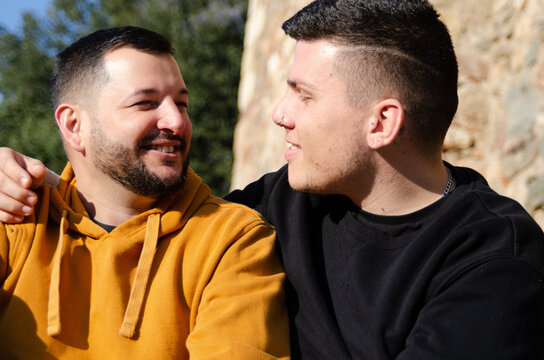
385, 124
68, 118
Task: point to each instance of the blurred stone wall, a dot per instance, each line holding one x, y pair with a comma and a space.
498, 129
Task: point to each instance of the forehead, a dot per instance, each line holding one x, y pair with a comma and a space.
127, 68
313, 62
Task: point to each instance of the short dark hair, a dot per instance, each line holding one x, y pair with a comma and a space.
81, 64
390, 48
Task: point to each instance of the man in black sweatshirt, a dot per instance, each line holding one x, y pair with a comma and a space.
390, 253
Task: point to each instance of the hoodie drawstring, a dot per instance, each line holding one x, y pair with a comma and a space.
53, 310
139, 285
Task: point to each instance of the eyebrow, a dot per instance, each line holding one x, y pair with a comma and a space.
296, 84
182, 91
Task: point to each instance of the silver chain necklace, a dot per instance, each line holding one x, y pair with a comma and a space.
450, 184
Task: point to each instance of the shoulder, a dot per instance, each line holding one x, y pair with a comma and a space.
224, 222
224, 209
477, 215
219, 228
476, 197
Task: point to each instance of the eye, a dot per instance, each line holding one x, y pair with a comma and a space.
146, 104
303, 97
182, 105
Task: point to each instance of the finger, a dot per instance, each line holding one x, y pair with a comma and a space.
13, 210
12, 166
36, 169
12, 193
8, 218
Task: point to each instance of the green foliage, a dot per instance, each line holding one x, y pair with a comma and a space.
207, 36
25, 116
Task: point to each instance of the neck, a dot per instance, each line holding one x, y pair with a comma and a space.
108, 201
404, 188
114, 208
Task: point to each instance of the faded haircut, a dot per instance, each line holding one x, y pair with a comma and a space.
79, 69
389, 48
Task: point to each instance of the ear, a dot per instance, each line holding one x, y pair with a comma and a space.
69, 121
385, 123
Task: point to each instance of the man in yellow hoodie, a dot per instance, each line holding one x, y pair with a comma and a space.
129, 256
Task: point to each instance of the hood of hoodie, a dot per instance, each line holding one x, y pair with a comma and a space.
169, 214
174, 209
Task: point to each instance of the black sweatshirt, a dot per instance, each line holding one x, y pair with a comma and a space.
459, 279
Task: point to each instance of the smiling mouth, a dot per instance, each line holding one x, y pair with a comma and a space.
163, 148
164, 143
292, 146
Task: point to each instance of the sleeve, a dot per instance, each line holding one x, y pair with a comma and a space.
242, 312
251, 196
493, 311
257, 194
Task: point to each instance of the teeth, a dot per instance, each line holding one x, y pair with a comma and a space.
164, 149
291, 146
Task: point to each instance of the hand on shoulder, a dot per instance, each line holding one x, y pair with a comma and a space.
18, 174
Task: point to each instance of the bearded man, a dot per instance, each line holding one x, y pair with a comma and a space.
129, 256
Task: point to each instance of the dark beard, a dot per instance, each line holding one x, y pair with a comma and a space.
137, 178
117, 161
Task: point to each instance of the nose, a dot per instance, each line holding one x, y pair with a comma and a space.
280, 114
172, 118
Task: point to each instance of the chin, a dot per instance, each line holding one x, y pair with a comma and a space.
168, 175
307, 185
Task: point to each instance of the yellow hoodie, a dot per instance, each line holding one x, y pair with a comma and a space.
195, 277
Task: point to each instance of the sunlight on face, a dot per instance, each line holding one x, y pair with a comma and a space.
140, 132
327, 149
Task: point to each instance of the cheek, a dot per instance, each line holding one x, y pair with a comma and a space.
339, 143
324, 129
